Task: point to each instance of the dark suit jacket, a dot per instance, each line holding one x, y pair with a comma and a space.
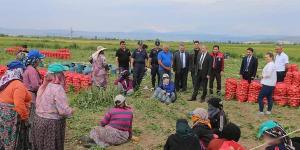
177, 61
192, 60
252, 66
206, 66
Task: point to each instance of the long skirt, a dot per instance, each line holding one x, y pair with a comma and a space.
49, 134
13, 132
106, 136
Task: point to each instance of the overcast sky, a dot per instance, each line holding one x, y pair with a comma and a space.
234, 17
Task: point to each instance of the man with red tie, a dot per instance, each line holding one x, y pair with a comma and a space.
217, 69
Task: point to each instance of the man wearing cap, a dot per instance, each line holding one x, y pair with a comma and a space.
139, 58
154, 63
100, 68
281, 63
165, 61
202, 71
180, 67
123, 57
166, 91
193, 61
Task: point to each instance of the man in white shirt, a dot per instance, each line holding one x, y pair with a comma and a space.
281, 63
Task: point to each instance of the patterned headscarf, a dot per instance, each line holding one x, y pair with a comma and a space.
278, 132
31, 61
10, 75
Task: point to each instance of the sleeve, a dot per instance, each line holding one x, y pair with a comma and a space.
174, 63
34, 79
167, 145
129, 53
117, 53
268, 71
209, 65
159, 56
255, 67
151, 54
242, 67
222, 63
106, 119
19, 96
61, 102
133, 55
286, 60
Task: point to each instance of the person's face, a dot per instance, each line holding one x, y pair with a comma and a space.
268, 58
123, 45
203, 49
166, 49
166, 80
278, 49
216, 49
182, 48
249, 53
196, 45
37, 63
269, 140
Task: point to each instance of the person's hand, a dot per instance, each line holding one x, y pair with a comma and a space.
73, 110
168, 94
168, 68
221, 73
241, 76
208, 76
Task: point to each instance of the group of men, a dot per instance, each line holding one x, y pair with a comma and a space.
204, 66
248, 69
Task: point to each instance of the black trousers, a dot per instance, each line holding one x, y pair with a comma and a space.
154, 74
194, 78
201, 81
215, 74
247, 76
281, 76
181, 79
138, 74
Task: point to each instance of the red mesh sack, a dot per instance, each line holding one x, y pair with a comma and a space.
242, 91
230, 88
293, 67
296, 78
280, 94
293, 96
288, 78
254, 90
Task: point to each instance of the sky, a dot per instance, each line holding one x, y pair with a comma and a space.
225, 17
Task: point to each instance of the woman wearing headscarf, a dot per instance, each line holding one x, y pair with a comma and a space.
216, 115
202, 127
100, 68
183, 139
14, 108
32, 79
275, 136
52, 109
124, 83
228, 139
115, 128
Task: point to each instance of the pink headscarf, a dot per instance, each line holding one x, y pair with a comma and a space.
55, 78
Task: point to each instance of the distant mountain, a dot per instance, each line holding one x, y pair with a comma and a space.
150, 35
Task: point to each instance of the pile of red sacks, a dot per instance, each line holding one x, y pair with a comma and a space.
254, 90
293, 95
242, 91
62, 53
280, 94
230, 88
2, 70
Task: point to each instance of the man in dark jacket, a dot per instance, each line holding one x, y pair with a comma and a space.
154, 63
139, 59
123, 57
180, 67
193, 61
217, 69
249, 66
202, 71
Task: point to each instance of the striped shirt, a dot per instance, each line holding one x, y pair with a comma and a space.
119, 118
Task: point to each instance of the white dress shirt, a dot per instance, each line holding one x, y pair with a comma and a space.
280, 61
183, 59
269, 75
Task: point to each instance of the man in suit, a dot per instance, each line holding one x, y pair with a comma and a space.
249, 66
180, 67
202, 71
193, 61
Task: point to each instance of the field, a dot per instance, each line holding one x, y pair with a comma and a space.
153, 121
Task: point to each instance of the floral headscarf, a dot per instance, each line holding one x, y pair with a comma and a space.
10, 75
278, 132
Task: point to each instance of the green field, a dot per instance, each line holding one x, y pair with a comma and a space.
153, 121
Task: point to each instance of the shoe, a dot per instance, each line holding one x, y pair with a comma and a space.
202, 100
192, 99
260, 113
152, 89
268, 113
219, 93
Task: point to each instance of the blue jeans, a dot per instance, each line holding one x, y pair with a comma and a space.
266, 91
